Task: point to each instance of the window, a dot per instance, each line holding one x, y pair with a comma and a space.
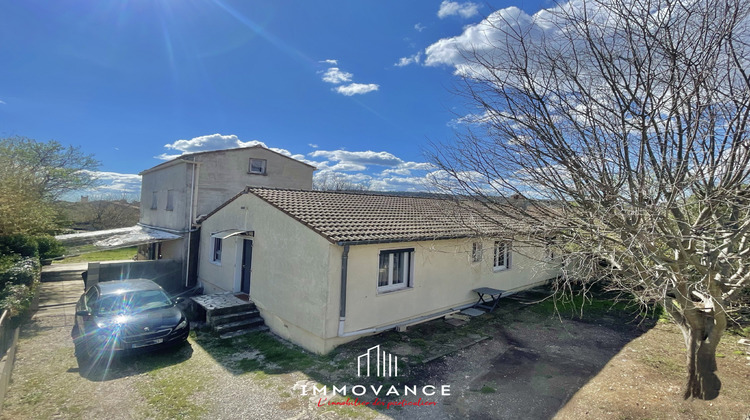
395, 269
476, 252
502, 256
216, 250
257, 166
154, 196
170, 200
549, 249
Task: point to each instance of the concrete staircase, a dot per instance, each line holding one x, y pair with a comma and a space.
229, 316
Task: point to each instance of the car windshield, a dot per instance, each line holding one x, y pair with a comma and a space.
132, 302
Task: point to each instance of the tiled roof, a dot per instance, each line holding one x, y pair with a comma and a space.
371, 217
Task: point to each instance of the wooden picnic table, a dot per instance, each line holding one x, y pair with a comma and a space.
488, 298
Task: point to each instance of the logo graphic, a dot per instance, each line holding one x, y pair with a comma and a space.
385, 364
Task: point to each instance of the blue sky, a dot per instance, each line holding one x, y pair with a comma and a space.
356, 88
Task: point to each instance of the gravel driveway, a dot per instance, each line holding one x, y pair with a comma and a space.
530, 368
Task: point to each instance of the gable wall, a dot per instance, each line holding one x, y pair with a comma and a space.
290, 268
223, 174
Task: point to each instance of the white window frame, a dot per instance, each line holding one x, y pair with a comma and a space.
170, 200
407, 273
154, 199
476, 252
263, 164
216, 252
501, 249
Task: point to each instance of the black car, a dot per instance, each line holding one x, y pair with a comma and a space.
117, 316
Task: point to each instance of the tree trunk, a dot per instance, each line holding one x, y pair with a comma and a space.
702, 382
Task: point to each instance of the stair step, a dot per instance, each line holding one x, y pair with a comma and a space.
238, 325
238, 333
216, 320
245, 307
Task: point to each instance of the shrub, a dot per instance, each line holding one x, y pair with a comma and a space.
17, 284
24, 245
49, 247
16, 298
22, 272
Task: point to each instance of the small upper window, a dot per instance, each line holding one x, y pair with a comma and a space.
501, 256
154, 201
476, 252
257, 166
170, 200
216, 250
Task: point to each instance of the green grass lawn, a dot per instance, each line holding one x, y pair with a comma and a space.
109, 255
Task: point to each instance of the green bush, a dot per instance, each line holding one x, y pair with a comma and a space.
24, 245
22, 272
16, 298
17, 284
49, 247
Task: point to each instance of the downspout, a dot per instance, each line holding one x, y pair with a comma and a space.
342, 298
190, 226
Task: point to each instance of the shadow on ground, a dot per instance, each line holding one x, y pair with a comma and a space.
532, 362
122, 365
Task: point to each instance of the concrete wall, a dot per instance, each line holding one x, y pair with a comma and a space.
178, 178
223, 174
290, 268
166, 273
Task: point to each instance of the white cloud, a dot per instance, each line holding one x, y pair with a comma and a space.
454, 8
405, 61
313, 145
115, 183
208, 142
2, 102
419, 27
482, 37
335, 75
357, 89
360, 158
329, 61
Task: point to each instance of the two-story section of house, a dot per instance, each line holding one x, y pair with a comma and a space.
175, 193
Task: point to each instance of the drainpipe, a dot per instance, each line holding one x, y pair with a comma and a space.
342, 298
190, 226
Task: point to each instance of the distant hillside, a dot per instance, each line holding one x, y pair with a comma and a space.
100, 214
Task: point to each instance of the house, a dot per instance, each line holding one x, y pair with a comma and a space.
175, 193
325, 268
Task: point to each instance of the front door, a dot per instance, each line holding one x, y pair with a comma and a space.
247, 259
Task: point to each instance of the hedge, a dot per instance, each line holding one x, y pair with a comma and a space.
44, 247
17, 283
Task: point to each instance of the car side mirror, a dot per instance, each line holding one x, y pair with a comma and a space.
178, 300
83, 313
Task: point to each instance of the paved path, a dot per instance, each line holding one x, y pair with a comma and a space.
57, 299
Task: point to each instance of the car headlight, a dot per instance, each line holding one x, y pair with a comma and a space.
181, 325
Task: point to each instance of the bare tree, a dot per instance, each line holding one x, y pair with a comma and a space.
331, 181
625, 123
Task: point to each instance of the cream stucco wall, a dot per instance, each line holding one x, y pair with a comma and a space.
444, 276
290, 268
